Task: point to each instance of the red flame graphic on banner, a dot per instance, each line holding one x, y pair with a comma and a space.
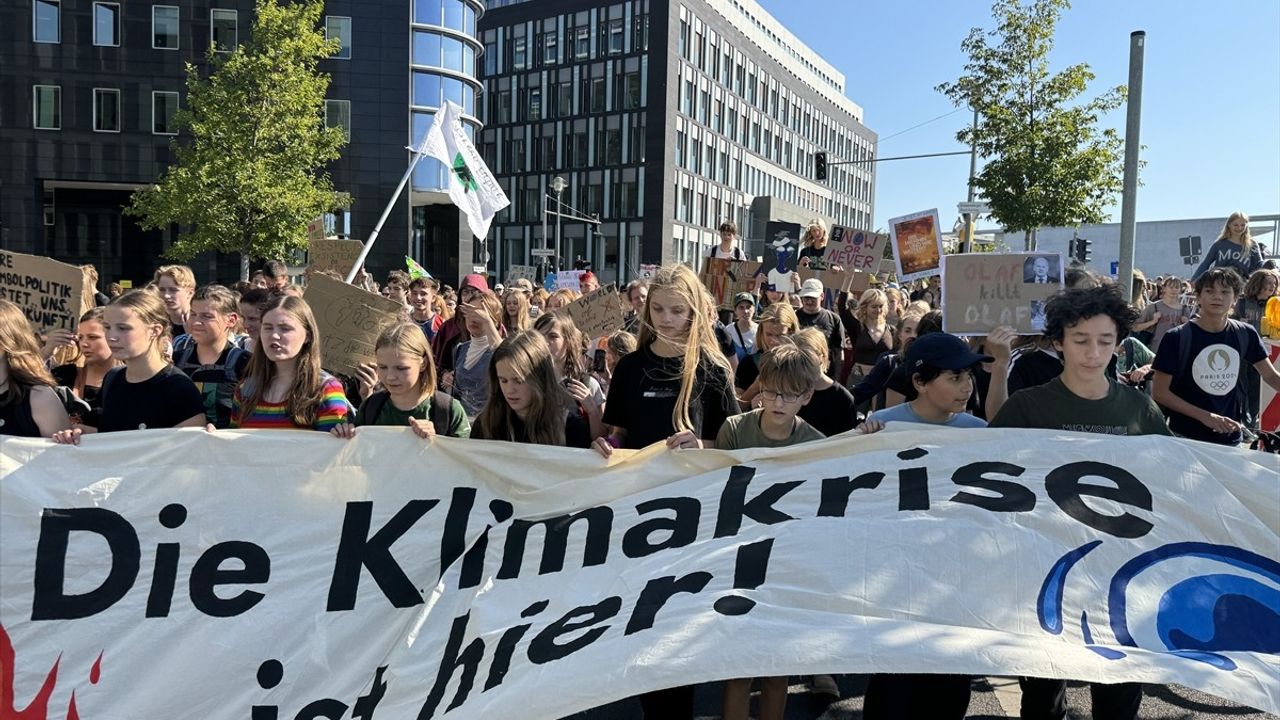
38, 708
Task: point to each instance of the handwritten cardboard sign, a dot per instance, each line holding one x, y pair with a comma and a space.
917, 245
597, 313
522, 272
349, 319
315, 231
332, 254
855, 249
726, 278
569, 280
982, 291
51, 294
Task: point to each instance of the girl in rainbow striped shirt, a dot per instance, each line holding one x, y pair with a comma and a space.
284, 387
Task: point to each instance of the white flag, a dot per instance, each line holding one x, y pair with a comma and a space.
471, 186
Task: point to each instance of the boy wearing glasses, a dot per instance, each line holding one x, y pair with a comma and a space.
787, 379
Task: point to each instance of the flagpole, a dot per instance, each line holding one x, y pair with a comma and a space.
368, 244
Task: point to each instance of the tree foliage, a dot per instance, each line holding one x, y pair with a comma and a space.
1047, 161
252, 172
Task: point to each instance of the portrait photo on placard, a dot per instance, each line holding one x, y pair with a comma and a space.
1042, 270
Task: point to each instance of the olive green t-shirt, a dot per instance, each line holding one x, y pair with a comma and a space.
390, 415
1124, 411
743, 431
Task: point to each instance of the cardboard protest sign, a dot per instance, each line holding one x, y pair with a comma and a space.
982, 291
597, 313
53, 295
331, 254
471, 579
315, 231
525, 272
726, 278
349, 319
648, 271
569, 280
855, 249
917, 245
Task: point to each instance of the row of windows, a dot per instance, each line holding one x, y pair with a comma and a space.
714, 57
431, 90
614, 194
46, 109
596, 91
452, 14
432, 49
561, 39
787, 47
585, 143
224, 34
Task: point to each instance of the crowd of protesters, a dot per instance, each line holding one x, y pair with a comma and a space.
504, 364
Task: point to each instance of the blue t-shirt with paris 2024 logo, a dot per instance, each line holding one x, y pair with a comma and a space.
1211, 380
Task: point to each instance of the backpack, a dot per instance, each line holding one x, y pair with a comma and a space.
441, 405
737, 253
186, 359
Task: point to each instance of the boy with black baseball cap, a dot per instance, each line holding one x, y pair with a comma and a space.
939, 368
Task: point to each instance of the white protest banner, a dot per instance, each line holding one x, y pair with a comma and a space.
333, 254
569, 280
526, 272
180, 574
472, 187
597, 313
855, 249
917, 245
1268, 398
349, 319
982, 291
51, 294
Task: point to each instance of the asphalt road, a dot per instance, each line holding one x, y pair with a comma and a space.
993, 698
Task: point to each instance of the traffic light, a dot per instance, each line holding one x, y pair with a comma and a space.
820, 165
1086, 253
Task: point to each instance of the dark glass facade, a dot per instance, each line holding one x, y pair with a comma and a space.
62, 188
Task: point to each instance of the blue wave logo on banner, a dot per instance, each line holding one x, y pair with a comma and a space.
1200, 617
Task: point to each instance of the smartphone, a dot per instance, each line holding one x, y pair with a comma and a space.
597, 361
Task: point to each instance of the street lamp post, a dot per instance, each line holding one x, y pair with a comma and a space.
558, 185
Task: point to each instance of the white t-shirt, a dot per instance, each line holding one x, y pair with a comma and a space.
744, 339
733, 254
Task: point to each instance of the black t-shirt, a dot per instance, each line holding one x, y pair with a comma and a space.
830, 326
577, 433
816, 261
643, 394
1210, 377
16, 418
724, 340
166, 399
831, 411
748, 371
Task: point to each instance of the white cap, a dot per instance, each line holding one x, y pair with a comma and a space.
811, 288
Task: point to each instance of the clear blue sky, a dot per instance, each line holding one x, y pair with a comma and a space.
1210, 106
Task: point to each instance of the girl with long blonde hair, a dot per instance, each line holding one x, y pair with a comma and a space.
29, 407
677, 386
148, 392
515, 310
775, 324
524, 402
285, 387
1235, 248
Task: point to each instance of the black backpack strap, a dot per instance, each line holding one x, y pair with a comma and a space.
441, 409
372, 407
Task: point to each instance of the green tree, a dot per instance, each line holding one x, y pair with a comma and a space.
252, 172
1047, 161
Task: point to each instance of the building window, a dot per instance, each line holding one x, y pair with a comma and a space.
339, 28
47, 21
519, 54
615, 36
106, 24
337, 113
535, 104
106, 110
581, 42
164, 27
47, 107
164, 106
223, 34
550, 48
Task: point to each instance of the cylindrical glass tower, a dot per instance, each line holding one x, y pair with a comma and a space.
442, 67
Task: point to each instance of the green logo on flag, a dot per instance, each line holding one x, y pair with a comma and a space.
464, 174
